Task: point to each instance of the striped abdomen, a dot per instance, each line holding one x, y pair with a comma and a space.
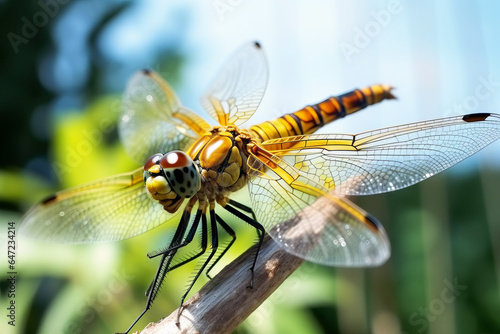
311, 118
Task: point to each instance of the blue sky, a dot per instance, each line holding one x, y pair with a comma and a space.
442, 57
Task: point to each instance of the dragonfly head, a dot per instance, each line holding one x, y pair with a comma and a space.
170, 178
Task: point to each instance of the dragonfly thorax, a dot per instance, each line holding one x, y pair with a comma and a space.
221, 156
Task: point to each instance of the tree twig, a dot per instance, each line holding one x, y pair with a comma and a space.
225, 301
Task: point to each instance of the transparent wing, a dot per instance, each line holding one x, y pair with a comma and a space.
108, 209
386, 159
153, 119
236, 92
308, 221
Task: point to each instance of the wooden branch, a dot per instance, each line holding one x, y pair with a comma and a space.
225, 301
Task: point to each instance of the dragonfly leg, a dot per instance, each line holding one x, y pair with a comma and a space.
203, 245
136, 320
186, 241
163, 267
215, 244
229, 231
260, 233
243, 207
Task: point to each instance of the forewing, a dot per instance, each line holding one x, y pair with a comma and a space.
236, 92
108, 209
310, 222
386, 159
153, 119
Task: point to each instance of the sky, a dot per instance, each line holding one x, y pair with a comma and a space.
441, 57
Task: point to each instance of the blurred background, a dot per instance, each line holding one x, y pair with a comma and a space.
64, 65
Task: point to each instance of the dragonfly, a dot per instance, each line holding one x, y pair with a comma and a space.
299, 182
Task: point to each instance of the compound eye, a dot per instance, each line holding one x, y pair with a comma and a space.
154, 160
175, 159
181, 173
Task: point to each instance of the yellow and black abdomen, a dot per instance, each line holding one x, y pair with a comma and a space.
313, 117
